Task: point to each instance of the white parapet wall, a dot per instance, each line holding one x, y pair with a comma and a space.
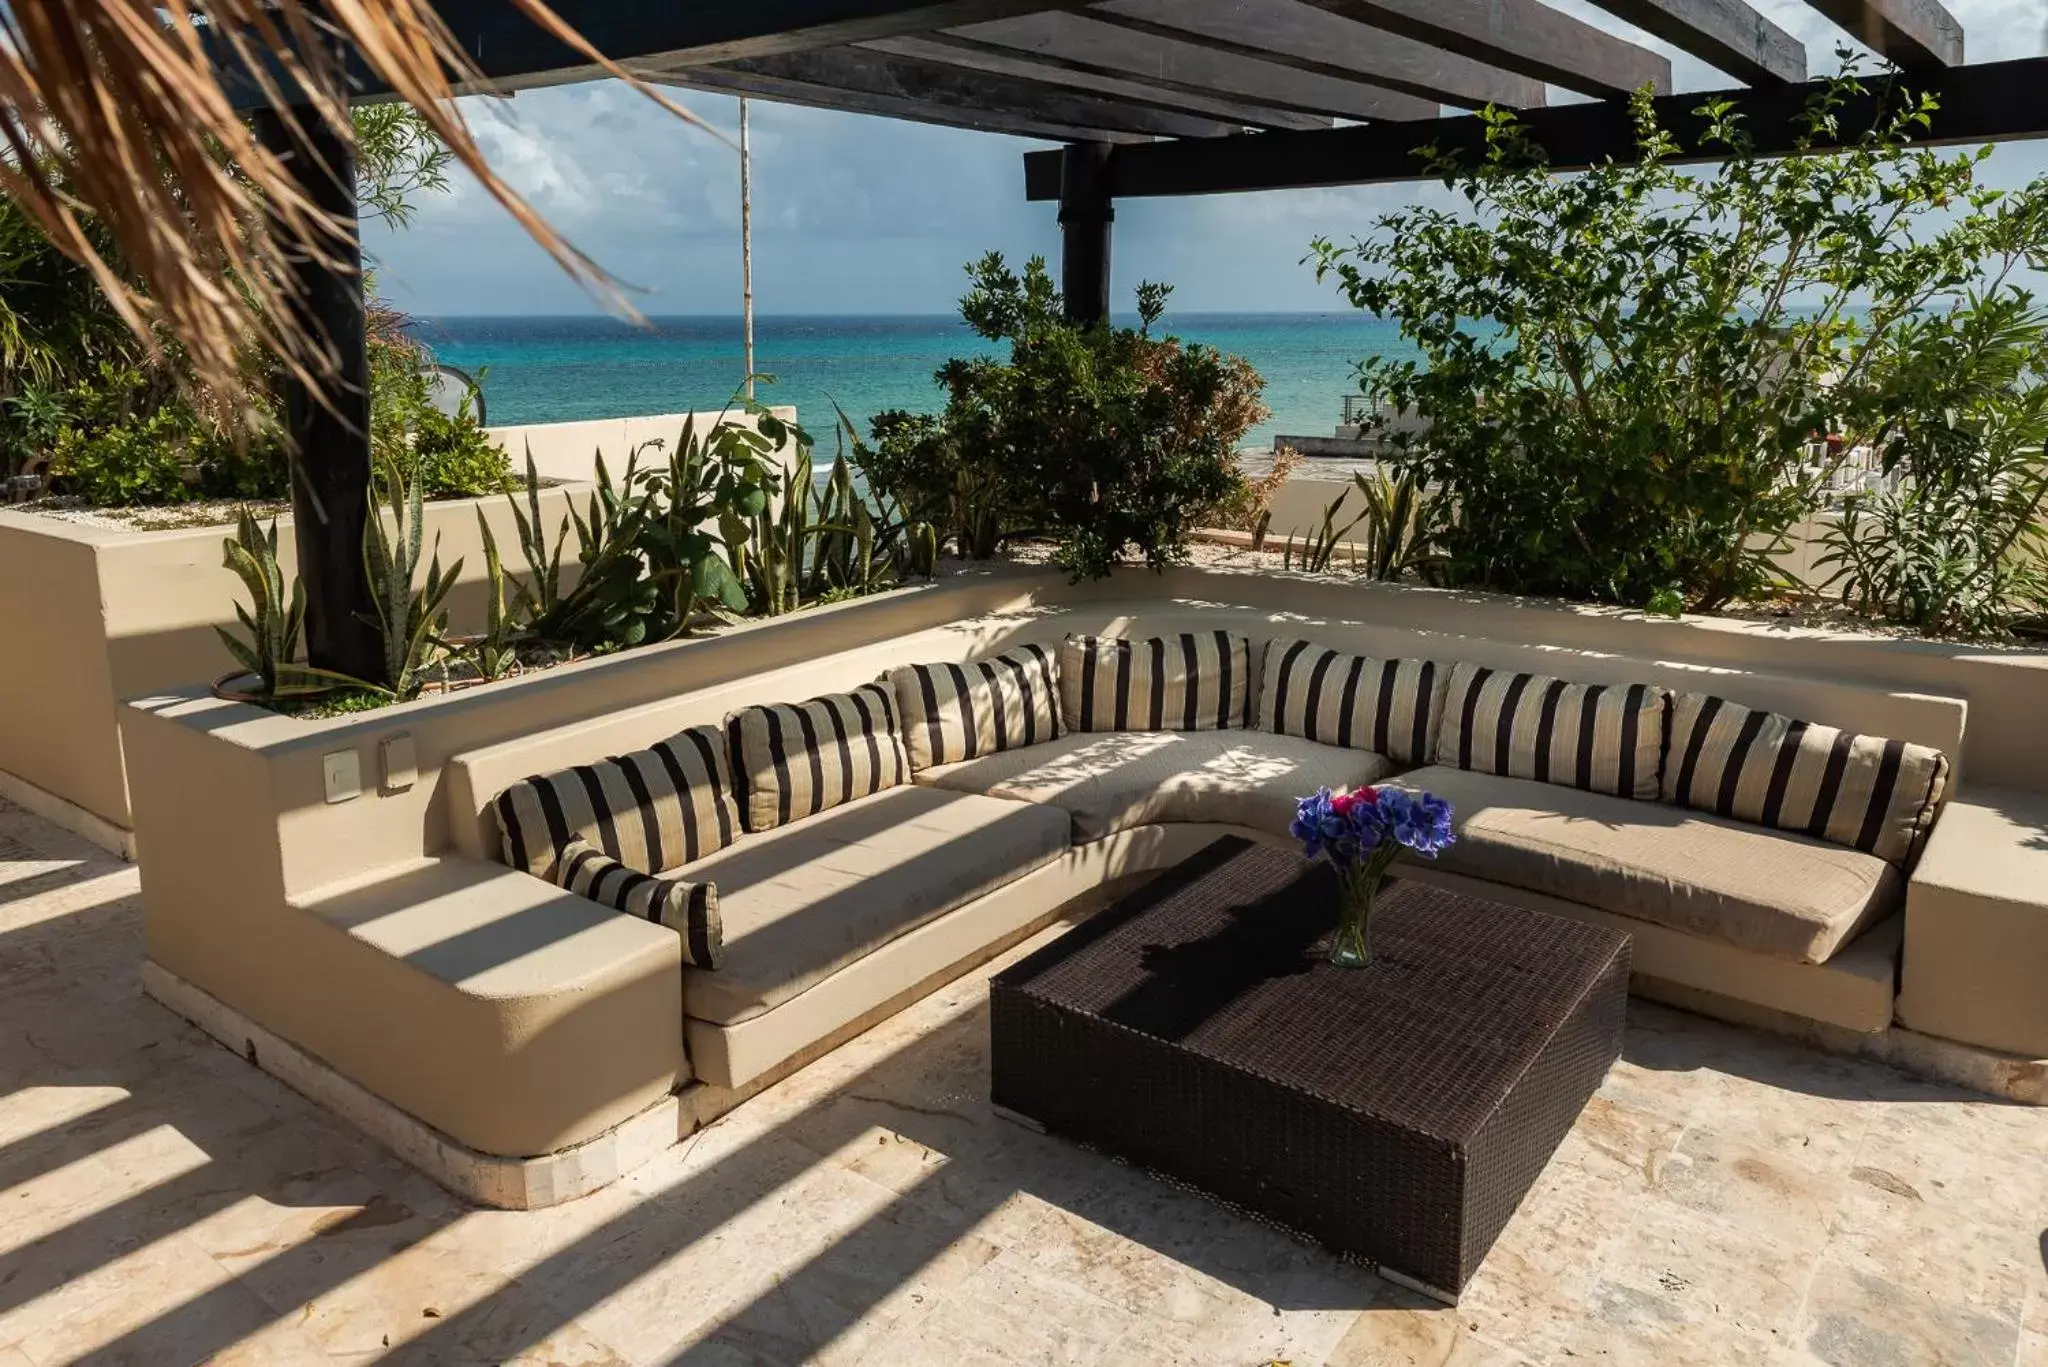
570, 450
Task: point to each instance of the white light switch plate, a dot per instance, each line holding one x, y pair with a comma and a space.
344, 774
395, 759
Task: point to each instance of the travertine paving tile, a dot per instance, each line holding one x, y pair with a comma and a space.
1852, 1319
1728, 1198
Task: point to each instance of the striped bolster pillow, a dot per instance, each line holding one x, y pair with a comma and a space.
1192, 682
689, 909
1872, 794
794, 760
1606, 738
654, 809
954, 712
1354, 701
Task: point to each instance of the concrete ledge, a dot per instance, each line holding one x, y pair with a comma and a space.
487, 1179
115, 840
2010, 1076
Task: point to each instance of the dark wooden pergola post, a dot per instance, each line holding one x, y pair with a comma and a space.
1086, 213
330, 431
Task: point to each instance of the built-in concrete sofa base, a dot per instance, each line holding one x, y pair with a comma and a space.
549, 1179
486, 1179
1852, 991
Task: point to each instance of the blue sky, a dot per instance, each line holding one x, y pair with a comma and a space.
864, 215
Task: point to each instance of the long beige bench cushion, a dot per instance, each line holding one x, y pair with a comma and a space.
1787, 896
1111, 781
803, 901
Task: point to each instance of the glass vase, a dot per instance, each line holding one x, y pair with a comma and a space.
1351, 946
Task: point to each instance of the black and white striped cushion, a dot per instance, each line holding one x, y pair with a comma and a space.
1872, 794
654, 809
689, 909
1354, 701
953, 712
1606, 738
794, 760
1192, 682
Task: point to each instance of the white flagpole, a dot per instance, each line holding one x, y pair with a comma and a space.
746, 249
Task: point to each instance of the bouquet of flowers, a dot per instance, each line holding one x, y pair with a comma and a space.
1360, 832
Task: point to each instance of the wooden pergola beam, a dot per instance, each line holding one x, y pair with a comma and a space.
995, 61
1523, 36
1299, 35
1917, 34
1988, 102
1079, 42
860, 71
1726, 34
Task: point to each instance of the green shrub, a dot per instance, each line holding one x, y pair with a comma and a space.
455, 458
1107, 438
1955, 542
1621, 371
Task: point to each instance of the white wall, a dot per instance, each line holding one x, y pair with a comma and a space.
568, 450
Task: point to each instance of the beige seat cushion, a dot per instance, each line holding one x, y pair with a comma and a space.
1788, 896
803, 901
1114, 780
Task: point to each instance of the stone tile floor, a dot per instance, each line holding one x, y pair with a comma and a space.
1727, 1198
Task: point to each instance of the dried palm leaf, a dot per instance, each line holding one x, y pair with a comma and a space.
111, 110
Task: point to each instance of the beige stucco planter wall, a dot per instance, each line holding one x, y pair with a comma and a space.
99, 614
96, 614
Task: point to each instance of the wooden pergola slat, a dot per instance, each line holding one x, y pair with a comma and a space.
1987, 102
1524, 36
1079, 42
721, 81
512, 53
1917, 34
995, 61
1299, 35
860, 71
1725, 34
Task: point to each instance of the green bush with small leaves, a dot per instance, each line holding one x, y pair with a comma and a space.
1623, 373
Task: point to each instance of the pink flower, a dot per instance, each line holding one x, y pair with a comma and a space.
1342, 804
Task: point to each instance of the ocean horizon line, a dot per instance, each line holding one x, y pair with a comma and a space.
950, 315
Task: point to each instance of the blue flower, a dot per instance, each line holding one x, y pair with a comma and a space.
1352, 828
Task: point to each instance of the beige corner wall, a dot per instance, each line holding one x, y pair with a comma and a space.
106, 614
569, 450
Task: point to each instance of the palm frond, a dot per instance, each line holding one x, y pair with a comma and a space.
111, 115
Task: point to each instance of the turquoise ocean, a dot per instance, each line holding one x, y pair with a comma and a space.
558, 369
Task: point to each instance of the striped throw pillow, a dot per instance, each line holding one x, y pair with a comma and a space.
1872, 794
795, 760
954, 712
689, 909
1606, 738
1193, 682
1354, 701
654, 809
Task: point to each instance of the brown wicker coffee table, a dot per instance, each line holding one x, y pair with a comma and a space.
1396, 1113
